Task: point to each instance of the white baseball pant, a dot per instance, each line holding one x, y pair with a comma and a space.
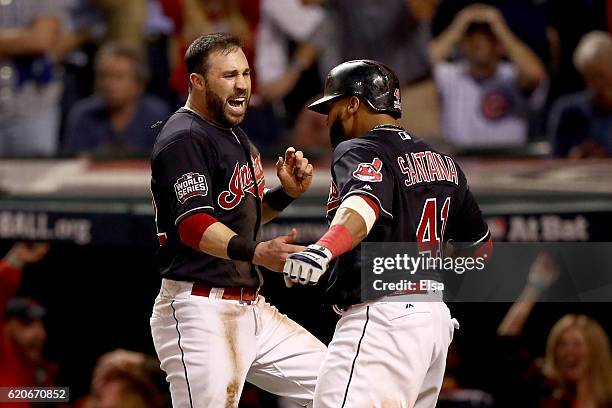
386, 354
209, 346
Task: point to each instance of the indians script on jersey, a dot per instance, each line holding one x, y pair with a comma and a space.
241, 183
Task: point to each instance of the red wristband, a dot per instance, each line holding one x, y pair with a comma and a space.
192, 228
337, 239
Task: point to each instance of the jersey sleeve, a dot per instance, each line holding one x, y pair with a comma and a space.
183, 171
466, 223
360, 171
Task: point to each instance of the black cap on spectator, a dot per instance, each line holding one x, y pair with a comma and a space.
24, 308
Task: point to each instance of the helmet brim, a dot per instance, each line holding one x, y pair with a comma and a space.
321, 105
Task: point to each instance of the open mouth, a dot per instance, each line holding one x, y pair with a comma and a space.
237, 102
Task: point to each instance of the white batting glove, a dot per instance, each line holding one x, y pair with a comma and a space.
306, 267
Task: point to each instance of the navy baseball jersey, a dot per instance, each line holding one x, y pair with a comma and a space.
199, 167
422, 196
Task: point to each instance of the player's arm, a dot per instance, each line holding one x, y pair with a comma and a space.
295, 174
351, 225
363, 181
183, 170
205, 233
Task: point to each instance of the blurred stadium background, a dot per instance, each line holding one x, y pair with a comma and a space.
528, 114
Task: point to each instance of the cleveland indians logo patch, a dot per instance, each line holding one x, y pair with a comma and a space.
369, 172
190, 185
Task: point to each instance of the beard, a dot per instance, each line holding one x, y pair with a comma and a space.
216, 107
336, 133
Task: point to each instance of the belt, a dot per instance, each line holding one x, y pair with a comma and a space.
344, 307
244, 295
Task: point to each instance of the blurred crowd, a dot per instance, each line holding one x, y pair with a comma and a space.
92, 77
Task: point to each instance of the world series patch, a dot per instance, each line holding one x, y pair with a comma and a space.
190, 185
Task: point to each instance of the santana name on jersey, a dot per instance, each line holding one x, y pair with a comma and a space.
427, 166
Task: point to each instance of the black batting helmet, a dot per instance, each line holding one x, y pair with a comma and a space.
369, 80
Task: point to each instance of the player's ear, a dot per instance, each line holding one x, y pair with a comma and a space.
353, 105
197, 81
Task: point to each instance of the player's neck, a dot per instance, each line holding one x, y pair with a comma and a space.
193, 105
381, 120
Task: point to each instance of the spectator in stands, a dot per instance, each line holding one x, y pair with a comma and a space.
280, 24
580, 124
528, 20
127, 379
453, 394
125, 21
30, 85
116, 121
567, 30
355, 29
396, 35
579, 364
22, 333
577, 368
286, 74
197, 18
485, 101
160, 30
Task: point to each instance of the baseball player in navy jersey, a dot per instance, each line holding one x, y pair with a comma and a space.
211, 328
387, 186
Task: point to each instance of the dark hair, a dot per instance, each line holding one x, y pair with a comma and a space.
478, 27
196, 57
136, 56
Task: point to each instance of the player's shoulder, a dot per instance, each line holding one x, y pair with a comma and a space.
359, 145
182, 127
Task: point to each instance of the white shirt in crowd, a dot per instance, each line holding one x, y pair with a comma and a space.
279, 23
489, 113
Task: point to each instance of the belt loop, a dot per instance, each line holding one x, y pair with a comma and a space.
242, 301
216, 293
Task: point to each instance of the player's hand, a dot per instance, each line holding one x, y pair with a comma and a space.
273, 253
306, 267
294, 172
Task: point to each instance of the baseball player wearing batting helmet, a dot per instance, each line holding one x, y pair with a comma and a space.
211, 328
387, 186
